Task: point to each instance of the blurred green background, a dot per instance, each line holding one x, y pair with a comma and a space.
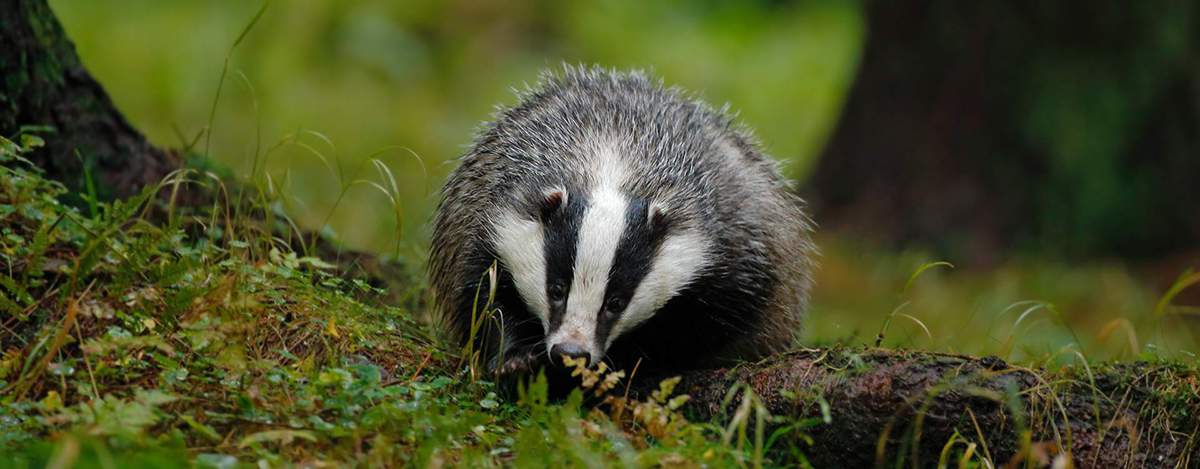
371, 75
407, 82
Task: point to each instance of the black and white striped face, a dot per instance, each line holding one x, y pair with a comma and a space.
593, 264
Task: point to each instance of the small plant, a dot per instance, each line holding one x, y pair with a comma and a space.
656, 417
887, 322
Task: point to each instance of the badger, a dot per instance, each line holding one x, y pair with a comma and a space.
627, 222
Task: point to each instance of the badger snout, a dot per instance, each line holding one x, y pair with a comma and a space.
570, 341
561, 351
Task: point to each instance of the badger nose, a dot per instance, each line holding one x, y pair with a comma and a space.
567, 350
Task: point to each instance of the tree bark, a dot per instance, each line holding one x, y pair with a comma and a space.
901, 408
46, 85
90, 146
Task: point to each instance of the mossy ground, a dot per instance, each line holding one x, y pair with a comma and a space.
141, 333
193, 339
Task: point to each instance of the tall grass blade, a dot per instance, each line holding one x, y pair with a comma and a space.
926, 266
212, 113
1185, 281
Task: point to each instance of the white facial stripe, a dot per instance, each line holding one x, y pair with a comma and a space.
599, 235
519, 242
681, 257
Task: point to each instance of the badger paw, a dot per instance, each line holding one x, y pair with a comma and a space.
522, 363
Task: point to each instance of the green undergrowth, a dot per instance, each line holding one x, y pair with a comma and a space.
148, 333
138, 333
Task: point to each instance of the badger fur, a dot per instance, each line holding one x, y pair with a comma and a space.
629, 222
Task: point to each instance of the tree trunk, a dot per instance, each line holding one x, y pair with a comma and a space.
974, 128
45, 85
901, 409
91, 146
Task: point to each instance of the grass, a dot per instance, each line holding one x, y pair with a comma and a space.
132, 340
151, 334
147, 334
1025, 310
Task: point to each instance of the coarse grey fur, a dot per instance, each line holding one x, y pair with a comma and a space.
708, 173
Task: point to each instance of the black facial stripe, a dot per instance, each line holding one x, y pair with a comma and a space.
560, 229
635, 253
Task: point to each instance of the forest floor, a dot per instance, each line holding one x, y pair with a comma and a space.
195, 339
139, 333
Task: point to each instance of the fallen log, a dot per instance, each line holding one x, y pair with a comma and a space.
887, 408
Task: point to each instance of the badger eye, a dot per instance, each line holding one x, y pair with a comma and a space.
556, 292
614, 304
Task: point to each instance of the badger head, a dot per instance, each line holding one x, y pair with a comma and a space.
593, 264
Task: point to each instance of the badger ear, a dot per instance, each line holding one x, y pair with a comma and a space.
656, 217
552, 201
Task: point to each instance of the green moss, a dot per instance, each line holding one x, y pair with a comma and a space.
171, 346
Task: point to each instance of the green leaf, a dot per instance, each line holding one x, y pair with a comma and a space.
154, 397
316, 263
216, 461
335, 377
282, 436
9, 148
204, 430
29, 142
